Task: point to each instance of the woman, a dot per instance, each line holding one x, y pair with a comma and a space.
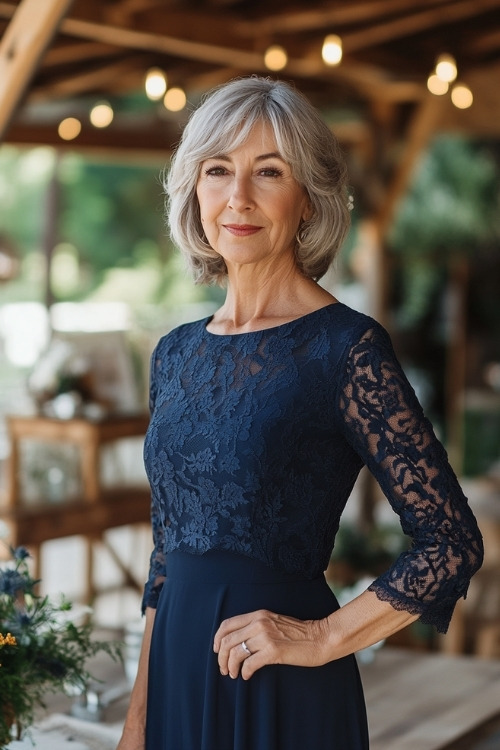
262, 416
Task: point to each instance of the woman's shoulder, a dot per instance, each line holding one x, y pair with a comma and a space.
351, 325
181, 334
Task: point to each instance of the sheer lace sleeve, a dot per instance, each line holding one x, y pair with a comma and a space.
157, 572
385, 425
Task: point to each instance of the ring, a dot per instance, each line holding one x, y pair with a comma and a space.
245, 648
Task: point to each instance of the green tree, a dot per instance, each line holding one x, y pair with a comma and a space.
451, 207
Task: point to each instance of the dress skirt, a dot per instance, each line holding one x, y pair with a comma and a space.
191, 706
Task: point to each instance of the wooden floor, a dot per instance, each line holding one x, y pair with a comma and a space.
415, 700
431, 701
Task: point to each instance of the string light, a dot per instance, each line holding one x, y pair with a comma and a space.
69, 128
446, 68
275, 57
332, 49
175, 99
461, 96
101, 115
436, 86
155, 84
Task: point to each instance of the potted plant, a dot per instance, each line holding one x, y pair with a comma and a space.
42, 648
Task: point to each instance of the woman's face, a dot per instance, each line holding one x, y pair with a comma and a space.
250, 204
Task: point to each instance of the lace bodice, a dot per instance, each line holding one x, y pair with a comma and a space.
256, 440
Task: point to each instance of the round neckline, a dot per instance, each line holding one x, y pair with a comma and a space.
206, 322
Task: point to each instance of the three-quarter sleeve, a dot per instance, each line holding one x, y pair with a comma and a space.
384, 423
157, 563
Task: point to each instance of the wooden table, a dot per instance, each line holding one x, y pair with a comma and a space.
98, 508
421, 701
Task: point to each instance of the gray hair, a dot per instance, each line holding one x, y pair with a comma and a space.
222, 123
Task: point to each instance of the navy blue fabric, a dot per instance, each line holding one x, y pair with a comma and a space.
191, 706
256, 440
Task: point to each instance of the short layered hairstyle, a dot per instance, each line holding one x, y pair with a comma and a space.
223, 122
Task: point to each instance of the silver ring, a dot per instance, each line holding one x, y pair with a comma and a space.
245, 648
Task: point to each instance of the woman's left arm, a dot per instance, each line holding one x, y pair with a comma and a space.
384, 423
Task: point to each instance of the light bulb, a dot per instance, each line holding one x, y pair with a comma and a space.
446, 68
461, 96
155, 84
175, 99
275, 58
69, 128
332, 49
101, 115
437, 86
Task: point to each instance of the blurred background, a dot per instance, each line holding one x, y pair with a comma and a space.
93, 97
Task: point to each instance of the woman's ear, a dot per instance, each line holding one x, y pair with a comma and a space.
308, 211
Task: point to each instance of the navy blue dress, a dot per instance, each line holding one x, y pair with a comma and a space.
254, 445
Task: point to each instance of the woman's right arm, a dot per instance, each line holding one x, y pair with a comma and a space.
134, 730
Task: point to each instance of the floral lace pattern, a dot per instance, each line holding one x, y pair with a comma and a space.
256, 440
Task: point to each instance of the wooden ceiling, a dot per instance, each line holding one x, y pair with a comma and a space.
101, 49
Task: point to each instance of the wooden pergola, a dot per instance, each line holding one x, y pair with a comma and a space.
58, 57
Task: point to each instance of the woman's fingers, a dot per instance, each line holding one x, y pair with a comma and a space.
237, 657
232, 625
248, 642
233, 640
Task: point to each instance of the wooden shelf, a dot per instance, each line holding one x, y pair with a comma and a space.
35, 524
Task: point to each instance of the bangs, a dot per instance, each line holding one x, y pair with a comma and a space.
230, 135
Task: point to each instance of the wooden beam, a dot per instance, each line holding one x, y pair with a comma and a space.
485, 43
168, 45
422, 127
290, 22
153, 141
72, 52
415, 23
124, 74
23, 44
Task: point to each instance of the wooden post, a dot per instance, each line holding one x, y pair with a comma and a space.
23, 44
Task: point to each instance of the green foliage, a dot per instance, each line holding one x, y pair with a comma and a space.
23, 179
111, 237
109, 210
41, 648
452, 204
451, 207
368, 552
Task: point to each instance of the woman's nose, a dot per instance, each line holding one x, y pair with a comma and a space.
240, 198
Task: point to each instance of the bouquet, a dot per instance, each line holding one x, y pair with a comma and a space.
41, 648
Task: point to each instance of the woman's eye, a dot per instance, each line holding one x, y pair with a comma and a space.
271, 172
215, 171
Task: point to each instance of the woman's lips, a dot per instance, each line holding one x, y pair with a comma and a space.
242, 230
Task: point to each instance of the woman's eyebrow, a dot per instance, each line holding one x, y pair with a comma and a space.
271, 155
261, 157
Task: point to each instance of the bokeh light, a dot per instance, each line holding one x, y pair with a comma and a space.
275, 58
69, 128
332, 49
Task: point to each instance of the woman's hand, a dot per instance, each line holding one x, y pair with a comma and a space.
269, 638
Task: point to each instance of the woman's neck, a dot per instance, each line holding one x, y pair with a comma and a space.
253, 304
